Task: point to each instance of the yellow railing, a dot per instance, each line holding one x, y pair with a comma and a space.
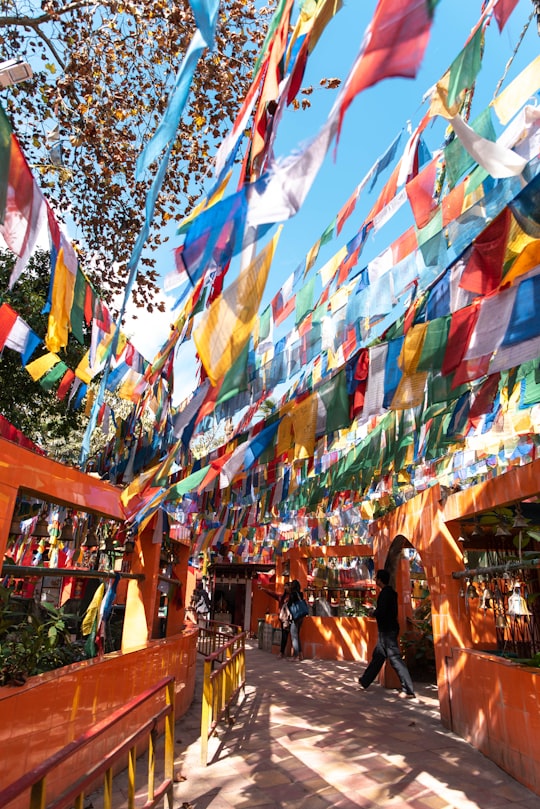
73, 796
224, 676
213, 634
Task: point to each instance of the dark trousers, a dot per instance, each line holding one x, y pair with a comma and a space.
387, 648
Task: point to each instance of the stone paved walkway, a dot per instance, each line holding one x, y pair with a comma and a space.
307, 737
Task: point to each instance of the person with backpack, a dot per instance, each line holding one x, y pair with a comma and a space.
284, 615
200, 603
298, 609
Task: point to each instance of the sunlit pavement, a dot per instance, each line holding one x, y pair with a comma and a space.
306, 735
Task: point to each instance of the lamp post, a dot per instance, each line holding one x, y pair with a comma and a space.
13, 71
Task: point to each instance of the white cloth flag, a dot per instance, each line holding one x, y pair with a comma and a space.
511, 356
233, 465
36, 234
185, 416
380, 265
328, 333
459, 297
523, 134
289, 180
18, 335
389, 210
491, 325
373, 402
496, 159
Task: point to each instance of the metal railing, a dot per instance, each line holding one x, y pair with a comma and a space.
36, 781
224, 677
213, 634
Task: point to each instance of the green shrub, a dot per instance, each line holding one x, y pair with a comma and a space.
33, 644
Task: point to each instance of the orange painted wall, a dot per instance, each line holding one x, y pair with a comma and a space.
326, 638
495, 706
489, 701
22, 468
53, 709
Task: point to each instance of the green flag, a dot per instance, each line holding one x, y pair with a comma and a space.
5, 157
458, 160
465, 67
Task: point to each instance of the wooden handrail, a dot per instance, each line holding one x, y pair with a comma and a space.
35, 780
21, 571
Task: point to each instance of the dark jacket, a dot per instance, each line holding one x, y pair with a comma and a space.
386, 611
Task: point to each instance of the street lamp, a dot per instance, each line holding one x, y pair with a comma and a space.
13, 71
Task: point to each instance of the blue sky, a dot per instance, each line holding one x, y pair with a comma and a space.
370, 125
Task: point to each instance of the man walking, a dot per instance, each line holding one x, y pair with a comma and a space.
387, 647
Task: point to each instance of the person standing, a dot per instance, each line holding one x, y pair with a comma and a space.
200, 603
284, 614
387, 647
299, 609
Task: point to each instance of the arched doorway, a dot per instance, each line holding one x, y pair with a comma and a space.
407, 576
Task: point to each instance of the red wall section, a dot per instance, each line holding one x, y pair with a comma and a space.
329, 638
53, 709
495, 707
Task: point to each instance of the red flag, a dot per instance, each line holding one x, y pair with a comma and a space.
396, 40
20, 196
461, 327
483, 272
65, 384
502, 11
386, 196
483, 401
8, 316
346, 211
421, 194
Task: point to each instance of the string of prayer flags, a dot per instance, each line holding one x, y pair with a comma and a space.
205, 13
284, 301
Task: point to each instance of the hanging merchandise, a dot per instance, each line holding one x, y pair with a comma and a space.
517, 603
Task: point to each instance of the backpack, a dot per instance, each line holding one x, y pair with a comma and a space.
298, 608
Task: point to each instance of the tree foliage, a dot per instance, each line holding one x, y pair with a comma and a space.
38, 413
102, 75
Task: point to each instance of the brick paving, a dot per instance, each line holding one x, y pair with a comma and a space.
305, 736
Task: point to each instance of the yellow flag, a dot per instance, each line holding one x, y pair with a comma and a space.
41, 366
91, 613
527, 260
439, 100
311, 257
304, 420
331, 267
411, 351
410, 391
518, 91
82, 371
65, 274
227, 325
